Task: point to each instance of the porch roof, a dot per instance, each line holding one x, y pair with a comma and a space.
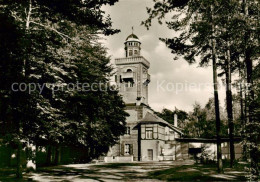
151, 118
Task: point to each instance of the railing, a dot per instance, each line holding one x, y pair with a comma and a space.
137, 59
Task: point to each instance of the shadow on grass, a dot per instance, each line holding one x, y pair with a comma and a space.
100, 173
198, 172
116, 165
132, 171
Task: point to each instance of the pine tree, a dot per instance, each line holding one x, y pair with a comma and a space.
234, 37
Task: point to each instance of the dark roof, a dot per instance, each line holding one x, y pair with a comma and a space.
132, 36
152, 118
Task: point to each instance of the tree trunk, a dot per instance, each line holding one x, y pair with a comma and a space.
19, 168
19, 149
214, 66
36, 156
230, 107
49, 155
252, 138
9, 156
242, 116
57, 155
242, 108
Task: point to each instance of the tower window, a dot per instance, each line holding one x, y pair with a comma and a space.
135, 52
129, 70
130, 52
129, 84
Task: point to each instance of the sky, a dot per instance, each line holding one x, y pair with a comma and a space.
174, 83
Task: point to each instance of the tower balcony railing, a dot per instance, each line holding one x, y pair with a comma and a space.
131, 60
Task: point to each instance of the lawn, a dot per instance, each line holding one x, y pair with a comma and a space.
200, 172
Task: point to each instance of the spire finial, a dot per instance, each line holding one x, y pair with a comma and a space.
132, 29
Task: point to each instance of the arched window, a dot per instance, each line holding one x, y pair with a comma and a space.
129, 70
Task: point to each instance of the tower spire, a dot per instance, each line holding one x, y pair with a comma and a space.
132, 29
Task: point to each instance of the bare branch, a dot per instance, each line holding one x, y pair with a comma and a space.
52, 29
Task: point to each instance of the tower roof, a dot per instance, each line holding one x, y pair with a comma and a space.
131, 37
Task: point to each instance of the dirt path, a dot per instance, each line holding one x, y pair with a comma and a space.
103, 171
136, 171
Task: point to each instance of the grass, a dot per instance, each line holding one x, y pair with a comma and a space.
199, 172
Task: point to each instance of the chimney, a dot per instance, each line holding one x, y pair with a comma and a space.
175, 120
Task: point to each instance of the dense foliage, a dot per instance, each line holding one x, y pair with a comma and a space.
51, 50
199, 123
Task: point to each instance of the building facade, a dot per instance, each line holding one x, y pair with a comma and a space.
147, 136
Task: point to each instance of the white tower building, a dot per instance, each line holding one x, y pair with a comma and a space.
132, 73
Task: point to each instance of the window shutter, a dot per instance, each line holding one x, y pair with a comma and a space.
131, 149
122, 149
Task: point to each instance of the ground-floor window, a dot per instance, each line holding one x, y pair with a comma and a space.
128, 149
